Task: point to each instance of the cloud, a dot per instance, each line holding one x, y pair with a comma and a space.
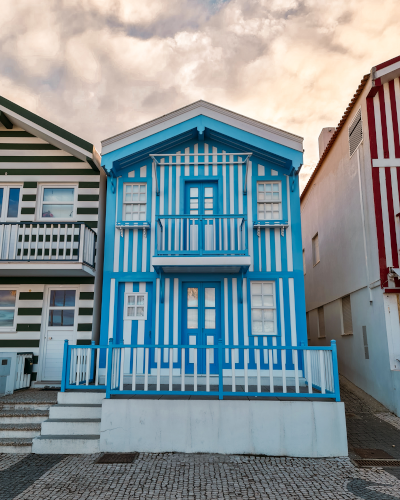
98, 67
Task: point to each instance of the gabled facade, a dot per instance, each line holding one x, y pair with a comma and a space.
203, 238
351, 236
51, 239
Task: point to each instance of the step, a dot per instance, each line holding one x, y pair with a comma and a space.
15, 445
19, 430
80, 398
26, 406
71, 427
68, 445
75, 411
23, 416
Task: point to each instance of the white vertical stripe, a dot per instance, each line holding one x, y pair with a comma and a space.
245, 314
144, 252
215, 159
111, 309
261, 170
292, 312
282, 311
232, 199
389, 122
153, 219
196, 159
289, 248
127, 332
177, 192
206, 159
259, 253
170, 187
396, 203
162, 173
140, 337
235, 312
385, 217
166, 317
397, 96
157, 321
250, 215
240, 186
226, 318
278, 257
126, 249
378, 126
268, 248
175, 333
224, 182
187, 159
116, 233
134, 250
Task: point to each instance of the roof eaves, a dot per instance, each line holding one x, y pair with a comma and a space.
335, 134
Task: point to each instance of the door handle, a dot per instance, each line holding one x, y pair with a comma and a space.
50, 338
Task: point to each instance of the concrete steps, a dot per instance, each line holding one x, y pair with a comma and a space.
19, 431
15, 445
23, 416
73, 426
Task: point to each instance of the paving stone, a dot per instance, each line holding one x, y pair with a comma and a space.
26, 396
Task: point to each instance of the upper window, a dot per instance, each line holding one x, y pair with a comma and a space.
9, 202
57, 203
62, 308
8, 299
135, 305
269, 201
135, 201
315, 250
263, 308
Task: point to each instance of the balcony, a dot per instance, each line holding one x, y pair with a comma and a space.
201, 243
43, 249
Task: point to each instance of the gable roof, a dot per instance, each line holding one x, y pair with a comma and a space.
207, 109
51, 133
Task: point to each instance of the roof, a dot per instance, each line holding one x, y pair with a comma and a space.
202, 108
335, 134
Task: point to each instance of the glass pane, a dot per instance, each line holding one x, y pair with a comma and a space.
61, 317
208, 192
1, 200
58, 211
142, 197
257, 321
268, 315
256, 288
193, 297
143, 188
131, 311
192, 318
140, 300
268, 288
7, 298
6, 318
58, 194
268, 300
135, 188
13, 202
209, 322
60, 298
256, 301
209, 297
194, 192
140, 311
131, 299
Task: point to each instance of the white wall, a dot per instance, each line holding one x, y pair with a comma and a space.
275, 428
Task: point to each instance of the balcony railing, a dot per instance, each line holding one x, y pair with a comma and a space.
43, 242
219, 370
203, 235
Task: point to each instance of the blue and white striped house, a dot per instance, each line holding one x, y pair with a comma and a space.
203, 306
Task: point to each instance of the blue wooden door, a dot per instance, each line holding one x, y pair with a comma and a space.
201, 200
201, 323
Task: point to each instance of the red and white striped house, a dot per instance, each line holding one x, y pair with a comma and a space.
351, 237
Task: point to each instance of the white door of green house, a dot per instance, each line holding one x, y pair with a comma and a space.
59, 325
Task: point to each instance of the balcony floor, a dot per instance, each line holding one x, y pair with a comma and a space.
209, 264
45, 268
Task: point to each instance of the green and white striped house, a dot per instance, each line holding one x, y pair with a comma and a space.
52, 205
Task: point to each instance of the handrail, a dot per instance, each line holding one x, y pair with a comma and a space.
203, 216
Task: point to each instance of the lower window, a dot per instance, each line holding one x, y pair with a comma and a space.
263, 308
62, 308
135, 305
8, 300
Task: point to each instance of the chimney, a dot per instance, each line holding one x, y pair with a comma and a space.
324, 138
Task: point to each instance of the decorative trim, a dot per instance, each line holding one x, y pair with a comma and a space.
19, 343
30, 295
22, 327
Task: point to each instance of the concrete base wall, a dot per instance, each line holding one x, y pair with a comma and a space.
275, 428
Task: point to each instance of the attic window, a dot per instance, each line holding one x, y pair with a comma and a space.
355, 132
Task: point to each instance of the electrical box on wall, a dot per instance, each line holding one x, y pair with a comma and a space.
8, 368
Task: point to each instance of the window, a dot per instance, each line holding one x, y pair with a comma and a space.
347, 319
263, 308
321, 323
269, 201
62, 308
135, 201
57, 203
355, 133
136, 306
9, 202
8, 299
315, 250
304, 261
308, 326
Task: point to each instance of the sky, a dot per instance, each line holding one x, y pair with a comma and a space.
100, 67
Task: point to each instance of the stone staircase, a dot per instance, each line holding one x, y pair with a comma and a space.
73, 426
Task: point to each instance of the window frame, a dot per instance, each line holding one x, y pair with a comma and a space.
274, 308
50, 308
314, 257
124, 203
6, 196
11, 329
135, 318
42, 187
280, 202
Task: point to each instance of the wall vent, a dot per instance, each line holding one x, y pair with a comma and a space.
355, 132
365, 339
321, 323
347, 319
